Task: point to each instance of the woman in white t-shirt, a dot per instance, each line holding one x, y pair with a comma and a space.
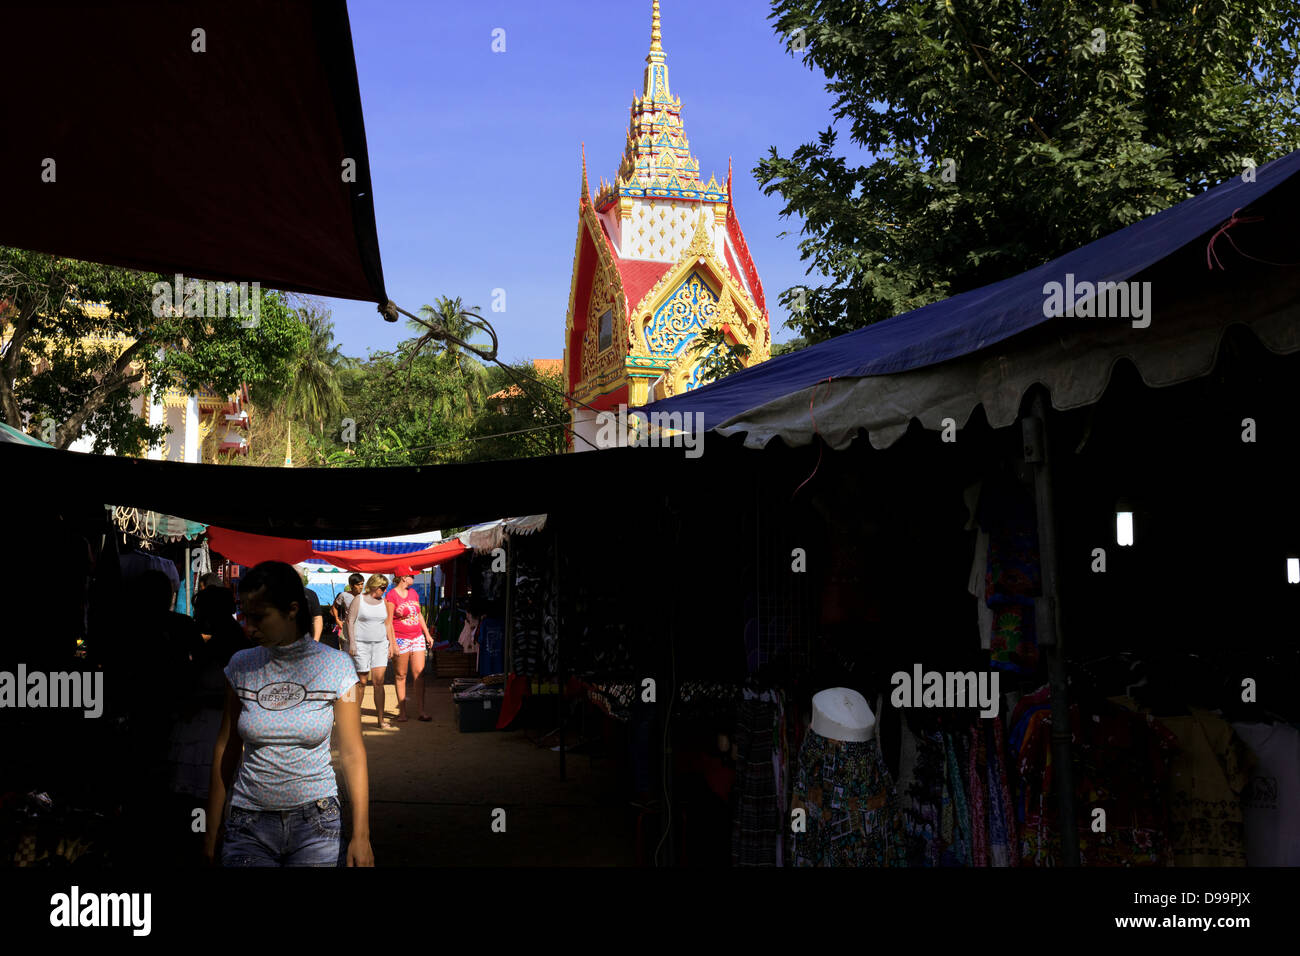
272, 754
370, 625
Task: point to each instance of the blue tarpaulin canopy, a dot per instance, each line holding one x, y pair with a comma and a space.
988, 345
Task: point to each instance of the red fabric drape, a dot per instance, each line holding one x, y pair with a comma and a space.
251, 549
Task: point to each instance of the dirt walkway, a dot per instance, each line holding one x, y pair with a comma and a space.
433, 790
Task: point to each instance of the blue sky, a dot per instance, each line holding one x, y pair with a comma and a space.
475, 154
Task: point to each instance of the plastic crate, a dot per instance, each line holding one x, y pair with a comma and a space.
478, 715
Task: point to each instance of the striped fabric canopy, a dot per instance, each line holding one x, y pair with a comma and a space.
379, 547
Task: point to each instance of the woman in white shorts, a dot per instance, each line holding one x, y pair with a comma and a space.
370, 626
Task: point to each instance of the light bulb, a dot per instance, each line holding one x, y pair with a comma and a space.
1293, 570
1124, 528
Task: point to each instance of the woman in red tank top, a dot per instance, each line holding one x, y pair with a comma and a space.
413, 639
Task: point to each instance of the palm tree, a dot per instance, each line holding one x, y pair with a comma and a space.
453, 317
313, 393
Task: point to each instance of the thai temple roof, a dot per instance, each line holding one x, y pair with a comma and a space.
657, 160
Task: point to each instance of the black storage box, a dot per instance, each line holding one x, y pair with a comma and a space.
482, 714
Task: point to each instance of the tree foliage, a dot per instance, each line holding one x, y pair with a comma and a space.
452, 315
80, 340
719, 356
312, 393
1008, 132
525, 421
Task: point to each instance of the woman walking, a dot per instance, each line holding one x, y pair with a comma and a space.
412, 639
370, 628
282, 699
340, 608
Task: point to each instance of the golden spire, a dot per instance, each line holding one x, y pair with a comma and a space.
655, 35
586, 190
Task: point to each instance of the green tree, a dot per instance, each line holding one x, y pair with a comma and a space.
313, 394
519, 421
719, 356
79, 340
785, 348
453, 317
404, 406
1008, 132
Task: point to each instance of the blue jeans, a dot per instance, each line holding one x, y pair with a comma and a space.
308, 835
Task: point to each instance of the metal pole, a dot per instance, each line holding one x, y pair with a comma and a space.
1048, 623
510, 618
451, 597
663, 726
559, 647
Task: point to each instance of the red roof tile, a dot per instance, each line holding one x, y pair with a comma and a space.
639, 278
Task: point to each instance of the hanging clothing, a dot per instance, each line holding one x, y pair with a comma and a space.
1270, 804
756, 822
1121, 764
1013, 577
976, 585
1206, 780
781, 775
955, 816
1004, 849
921, 786
851, 806
136, 563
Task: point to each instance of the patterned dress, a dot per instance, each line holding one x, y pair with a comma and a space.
851, 805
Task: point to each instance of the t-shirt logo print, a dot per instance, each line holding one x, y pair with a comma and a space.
281, 695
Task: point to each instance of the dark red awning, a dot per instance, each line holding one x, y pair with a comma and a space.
225, 164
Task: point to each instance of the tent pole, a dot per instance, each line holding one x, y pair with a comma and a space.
189, 583
1048, 625
451, 596
559, 650
510, 619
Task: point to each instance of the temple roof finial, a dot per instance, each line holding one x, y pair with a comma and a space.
655, 35
586, 190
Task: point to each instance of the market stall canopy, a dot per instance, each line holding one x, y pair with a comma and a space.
320, 503
15, 437
134, 139
988, 346
151, 526
251, 549
487, 537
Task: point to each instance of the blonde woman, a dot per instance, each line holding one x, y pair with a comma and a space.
370, 627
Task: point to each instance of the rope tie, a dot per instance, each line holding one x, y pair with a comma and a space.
1212, 257
821, 446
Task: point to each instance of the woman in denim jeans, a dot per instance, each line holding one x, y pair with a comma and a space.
283, 698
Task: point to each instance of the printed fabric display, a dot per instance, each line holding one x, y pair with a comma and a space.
850, 803
1206, 779
922, 784
533, 610
1121, 764
956, 797
1013, 577
757, 822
